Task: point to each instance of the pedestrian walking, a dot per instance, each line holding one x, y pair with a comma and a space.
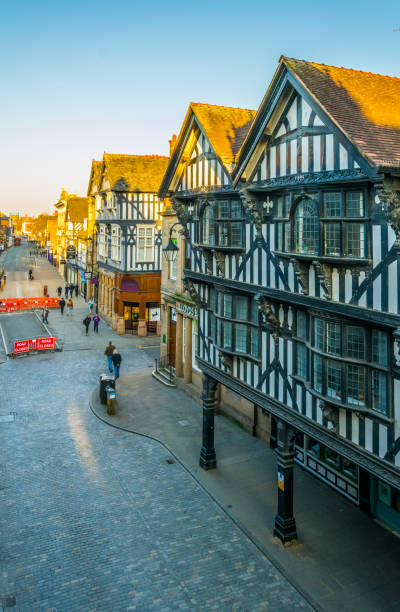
91, 305
76, 290
109, 353
96, 321
59, 291
86, 322
71, 290
116, 359
45, 314
62, 305
70, 306
66, 291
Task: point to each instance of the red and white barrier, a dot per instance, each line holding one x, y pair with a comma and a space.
34, 344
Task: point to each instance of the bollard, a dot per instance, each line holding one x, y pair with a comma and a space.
110, 400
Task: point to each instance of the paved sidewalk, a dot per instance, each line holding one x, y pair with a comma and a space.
343, 559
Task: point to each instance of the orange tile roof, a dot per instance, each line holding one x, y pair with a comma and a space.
77, 209
225, 127
364, 105
134, 172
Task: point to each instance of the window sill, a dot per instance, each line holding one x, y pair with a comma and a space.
246, 356
228, 249
362, 410
333, 259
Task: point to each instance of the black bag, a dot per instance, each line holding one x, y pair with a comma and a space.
84, 321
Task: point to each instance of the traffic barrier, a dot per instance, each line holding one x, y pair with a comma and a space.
34, 344
12, 305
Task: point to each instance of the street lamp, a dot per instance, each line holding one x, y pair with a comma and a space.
171, 250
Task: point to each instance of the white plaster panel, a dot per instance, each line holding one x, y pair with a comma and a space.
329, 152
317, 153
355, 428
292, 115
272, 162
305, 112
368, 435
293, 156
382, 440
343, 158
304, 154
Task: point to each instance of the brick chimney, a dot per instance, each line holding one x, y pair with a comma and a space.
172, 144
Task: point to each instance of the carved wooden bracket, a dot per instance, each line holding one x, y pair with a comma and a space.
254, 208
324, 275
191, 289
220, 259
301, 272
392, 201
269, 316
330, 417
208, 258
396, 337
180, 211
227, 361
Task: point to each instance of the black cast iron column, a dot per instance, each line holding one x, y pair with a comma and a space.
285, 524
208, 459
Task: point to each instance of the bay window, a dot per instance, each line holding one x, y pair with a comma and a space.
349, 363
233, 323
327, 223
222, 224
116, 243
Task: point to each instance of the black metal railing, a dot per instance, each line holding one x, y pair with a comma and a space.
166, 366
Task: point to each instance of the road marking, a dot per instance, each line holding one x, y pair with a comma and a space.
4, 343
146, 347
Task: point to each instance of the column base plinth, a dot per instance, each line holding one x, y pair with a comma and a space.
208, 458
285, 529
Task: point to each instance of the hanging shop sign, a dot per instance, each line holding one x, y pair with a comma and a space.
154, 314
191, 311
87, 275
63, 261
71, 252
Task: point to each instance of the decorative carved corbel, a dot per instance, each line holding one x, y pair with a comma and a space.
191, 289
268, 315
324, 275
180, 211
208, 258
392, 201
301, 272
396, 337
220, 259
227, 361
254, 208
330, 417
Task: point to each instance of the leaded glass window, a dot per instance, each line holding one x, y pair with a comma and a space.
379, 391
333, 204
227, 335
334, 379
379, 347
241, 338
354, 204
355, 342
241, 307
355, 239
333, 239
306, 228
318, 373
333, 338
356, 385
208, 226
254, 341
302, 360
301, 324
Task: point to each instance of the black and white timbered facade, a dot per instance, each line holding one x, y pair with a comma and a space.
129, 238
294, 261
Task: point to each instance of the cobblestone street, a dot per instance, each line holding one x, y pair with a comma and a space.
94, 518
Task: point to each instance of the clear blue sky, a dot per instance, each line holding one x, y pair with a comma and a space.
82, 77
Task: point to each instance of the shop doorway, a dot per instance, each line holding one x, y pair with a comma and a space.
131, 316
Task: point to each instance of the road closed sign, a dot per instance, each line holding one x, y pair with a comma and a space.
22, 346
45, 343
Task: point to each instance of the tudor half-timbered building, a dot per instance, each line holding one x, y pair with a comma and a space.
129, 240
200, 173
296, 272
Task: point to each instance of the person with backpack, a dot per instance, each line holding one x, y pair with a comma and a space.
109, 353
116, 359
62, 305
59, 291
86, 322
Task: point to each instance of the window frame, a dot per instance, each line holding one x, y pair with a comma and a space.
219, 323
139, 228
286, 205
223, 224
